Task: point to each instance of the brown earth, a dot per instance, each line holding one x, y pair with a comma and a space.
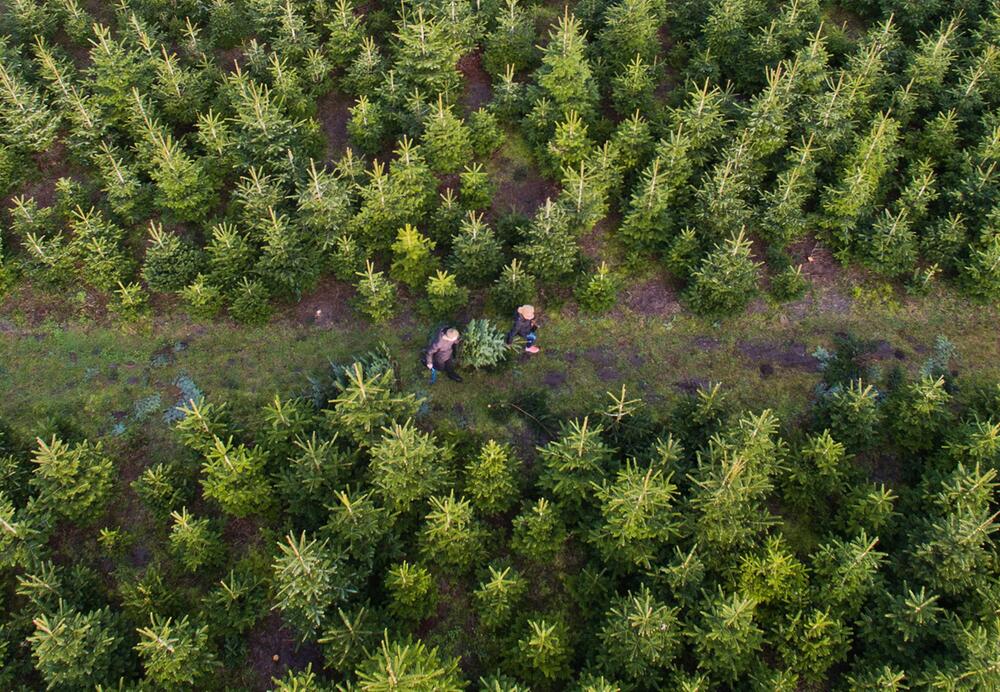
327, 306
519, 187
274, 648
653, 297
333, 110
787, 355
477, 90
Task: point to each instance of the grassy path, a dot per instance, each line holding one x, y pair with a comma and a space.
107, 379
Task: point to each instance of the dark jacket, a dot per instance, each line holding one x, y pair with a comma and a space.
441, 350
521, 328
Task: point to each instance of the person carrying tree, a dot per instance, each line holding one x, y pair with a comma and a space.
525, 327
440, 354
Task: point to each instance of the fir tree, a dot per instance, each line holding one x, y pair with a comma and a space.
193, 541
357, 525
726, 279
367, 125
427, 52
98, 247
511, 43
346, 257
952, 549
324, 204
476, 253
171, 263
545, 650
376, 294
565, 75
73, 481
366, 403
306, 583
727, 638
853, 414
569, 144
27, 121
183, 186
250, 302
451, 536
641, 635
203, 300
862, 178
413, 261
575, 463
234, 477
498, 597
637, 517
629, 33
408, 466
550, 250
652, 214
513, 288
410, 666
632, 88
286, 263
539, 532
782, 212
230, 256
127, 192
491, 480
446, 140
484, 345
175, 653
444, 296
412, 593
599, 292
731, 481
476, 188
345, 31
74, 649
348, 640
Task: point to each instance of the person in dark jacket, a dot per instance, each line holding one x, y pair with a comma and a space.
441, 354
525, 327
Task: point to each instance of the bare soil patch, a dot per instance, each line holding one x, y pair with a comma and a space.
593, 243
818, 264
654, 297
243, 532
600, 356
333, 110
327, 306
273, 649
609, 374
554, 379
52, 165
822, 270
519, 187
787, 355
691, 385
706, 343
39, 306
883, 468
229, 58
477, 90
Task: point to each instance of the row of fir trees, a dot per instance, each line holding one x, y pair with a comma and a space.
192, 147
693, 547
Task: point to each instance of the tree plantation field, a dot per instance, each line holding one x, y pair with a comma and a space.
759, 447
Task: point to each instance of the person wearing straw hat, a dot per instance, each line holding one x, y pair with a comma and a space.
525, 327
440, 354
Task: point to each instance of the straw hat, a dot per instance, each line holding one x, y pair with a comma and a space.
527, 312
451, 334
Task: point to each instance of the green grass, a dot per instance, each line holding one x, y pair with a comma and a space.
95, 375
